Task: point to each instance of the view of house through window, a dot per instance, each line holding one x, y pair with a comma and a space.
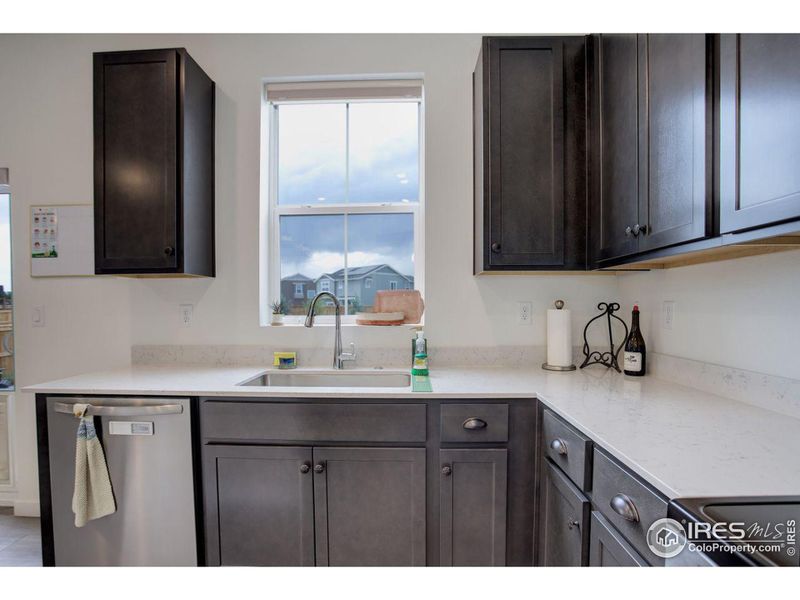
6, 331
345, 208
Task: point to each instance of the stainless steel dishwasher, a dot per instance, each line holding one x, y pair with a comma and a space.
148, 448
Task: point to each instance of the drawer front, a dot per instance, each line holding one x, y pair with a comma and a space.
564, 533
628, 504
474, 422
223, 420
568, 449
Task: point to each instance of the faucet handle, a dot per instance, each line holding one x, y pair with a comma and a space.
349, 355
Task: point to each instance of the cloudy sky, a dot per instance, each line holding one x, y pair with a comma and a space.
312, 169
5, 243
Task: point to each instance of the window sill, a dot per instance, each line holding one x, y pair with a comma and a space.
316, 324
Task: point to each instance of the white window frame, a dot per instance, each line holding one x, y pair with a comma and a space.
298, 290
271, 211
393, 284
368, 283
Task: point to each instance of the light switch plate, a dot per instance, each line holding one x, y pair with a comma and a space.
37, 317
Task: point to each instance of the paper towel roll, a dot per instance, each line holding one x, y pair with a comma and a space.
559, 337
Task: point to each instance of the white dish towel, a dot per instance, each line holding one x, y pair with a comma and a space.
93, 497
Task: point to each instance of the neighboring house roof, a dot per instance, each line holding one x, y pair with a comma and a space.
353, 273
360, 272
297, 277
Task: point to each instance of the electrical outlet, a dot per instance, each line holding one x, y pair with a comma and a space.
524, 315
668, 313
187, 312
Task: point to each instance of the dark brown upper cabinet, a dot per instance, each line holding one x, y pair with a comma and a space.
530, 154
759, 130
153, 164
651, 136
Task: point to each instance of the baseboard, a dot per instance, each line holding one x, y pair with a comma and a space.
26, 508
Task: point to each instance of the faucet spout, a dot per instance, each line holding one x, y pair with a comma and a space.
338, 356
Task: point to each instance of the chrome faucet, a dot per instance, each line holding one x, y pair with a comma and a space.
339, 357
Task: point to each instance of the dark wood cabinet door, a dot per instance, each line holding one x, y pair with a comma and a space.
759, 130
136, 158
526, 152
564, 521
608, 548
369, 506
614, 130
674, 200
259, 505
473, 496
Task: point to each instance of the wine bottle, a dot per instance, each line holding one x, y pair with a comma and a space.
635, 351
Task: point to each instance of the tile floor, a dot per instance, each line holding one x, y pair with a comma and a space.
20, 540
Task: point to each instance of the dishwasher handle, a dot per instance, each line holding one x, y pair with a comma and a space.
122, 411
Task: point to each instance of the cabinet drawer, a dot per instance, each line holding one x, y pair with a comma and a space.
628, 504
223, 420
568, 449
474, 422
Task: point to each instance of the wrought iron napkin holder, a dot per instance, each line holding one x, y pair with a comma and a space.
609, 357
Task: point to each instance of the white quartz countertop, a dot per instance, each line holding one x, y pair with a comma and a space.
684, 442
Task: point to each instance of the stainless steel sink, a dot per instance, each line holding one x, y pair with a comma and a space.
330, 379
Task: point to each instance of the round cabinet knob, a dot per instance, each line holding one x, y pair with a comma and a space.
628, 231
305, 468
474, 423
572, 523
169, 250
447, 470
319, 468
495, 247
637, 229
560, 446
625, 508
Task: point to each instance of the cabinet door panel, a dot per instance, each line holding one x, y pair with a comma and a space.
609, 548
564, 536
759, 129
369, 506
259, 506
136, 107
674, 199
473, 507
614, 205
526, 131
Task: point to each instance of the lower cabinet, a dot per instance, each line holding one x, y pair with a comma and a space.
284, 506
609, 548
473, 497
564, 526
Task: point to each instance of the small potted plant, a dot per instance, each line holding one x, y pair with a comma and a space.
278, 311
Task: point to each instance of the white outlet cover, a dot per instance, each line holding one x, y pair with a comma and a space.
187, 312
38, 317
525, 313
668, 314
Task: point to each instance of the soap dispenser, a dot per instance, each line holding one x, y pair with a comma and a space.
420, 357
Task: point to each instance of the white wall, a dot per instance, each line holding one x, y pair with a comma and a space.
46, 140
740, 313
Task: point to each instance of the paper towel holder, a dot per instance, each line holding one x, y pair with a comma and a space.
559, 304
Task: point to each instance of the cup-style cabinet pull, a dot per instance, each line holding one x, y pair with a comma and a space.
474, 424
625, 508
560, 446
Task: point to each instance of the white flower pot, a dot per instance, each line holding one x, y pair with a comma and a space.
277, 319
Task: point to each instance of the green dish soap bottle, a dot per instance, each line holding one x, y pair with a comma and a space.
419, 365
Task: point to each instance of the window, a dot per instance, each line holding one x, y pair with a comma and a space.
343, 166
298, 290
392, 285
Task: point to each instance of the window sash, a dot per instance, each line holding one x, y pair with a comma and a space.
275, 211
